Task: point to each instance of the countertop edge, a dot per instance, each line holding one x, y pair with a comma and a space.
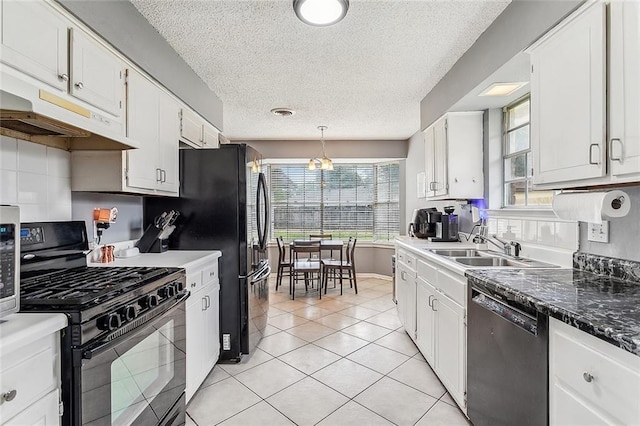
20, 329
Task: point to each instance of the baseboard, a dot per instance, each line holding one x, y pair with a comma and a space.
373, 275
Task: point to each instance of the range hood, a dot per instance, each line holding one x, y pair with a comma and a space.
19, 119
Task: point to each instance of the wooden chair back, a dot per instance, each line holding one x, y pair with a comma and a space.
351, 247
305, 246
281, 250
321, 237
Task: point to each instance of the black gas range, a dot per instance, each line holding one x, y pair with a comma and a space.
123, 351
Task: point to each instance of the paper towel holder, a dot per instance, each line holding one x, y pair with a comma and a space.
617, 203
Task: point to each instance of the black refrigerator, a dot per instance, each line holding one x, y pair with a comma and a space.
224, 206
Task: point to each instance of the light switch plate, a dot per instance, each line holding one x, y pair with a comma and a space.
598, 232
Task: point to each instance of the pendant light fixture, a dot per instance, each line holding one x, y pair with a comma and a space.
325, 162
320, 13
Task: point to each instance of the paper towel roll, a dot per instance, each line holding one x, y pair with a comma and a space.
593, 207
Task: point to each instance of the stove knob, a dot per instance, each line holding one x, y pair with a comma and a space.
109, 322
168, 291
149, 301
128, 313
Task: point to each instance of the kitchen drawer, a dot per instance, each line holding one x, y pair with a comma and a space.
210, 273
453, 286
428, 272
613, 387
31, 375
194, 280
406, 258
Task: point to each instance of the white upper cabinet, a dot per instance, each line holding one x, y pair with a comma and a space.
453, 156
568, 105
142, 125
571, 87
624, 91
196, 132
34, 40
97, 75
168, 136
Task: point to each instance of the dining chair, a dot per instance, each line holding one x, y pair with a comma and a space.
338, 266
284, 265
304, 265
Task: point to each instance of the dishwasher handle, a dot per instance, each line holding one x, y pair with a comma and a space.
508, 313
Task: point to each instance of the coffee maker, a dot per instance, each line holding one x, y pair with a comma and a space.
447, 227
423, 224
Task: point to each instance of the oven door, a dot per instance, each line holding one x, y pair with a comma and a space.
138, 378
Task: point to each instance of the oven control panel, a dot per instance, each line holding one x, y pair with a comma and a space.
31, 235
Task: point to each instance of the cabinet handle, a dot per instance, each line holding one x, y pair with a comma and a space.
208, 302
587, 377
612, 151
158, 175
63, 77
79, 85
212, 273
204, 301
163, 173
433, 305
597, 162
432, 186
9, 396
193, 284
402, 276
430, 302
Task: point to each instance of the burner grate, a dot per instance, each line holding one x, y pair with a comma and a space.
78, 286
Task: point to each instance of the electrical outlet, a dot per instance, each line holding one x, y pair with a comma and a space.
599, 232
226, 342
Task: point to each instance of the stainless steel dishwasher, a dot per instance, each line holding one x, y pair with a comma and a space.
507, 365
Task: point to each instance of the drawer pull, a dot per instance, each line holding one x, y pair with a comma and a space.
211, 274
9, 396
587, 377
193, 284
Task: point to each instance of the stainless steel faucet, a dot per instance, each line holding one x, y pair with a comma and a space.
505, 246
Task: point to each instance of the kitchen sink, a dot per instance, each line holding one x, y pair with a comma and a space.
459, 253
491, 261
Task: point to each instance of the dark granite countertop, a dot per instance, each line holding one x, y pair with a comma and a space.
604, 306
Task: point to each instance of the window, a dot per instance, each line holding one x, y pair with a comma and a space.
517, 159
359, 200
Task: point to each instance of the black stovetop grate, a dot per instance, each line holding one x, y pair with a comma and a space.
78, 286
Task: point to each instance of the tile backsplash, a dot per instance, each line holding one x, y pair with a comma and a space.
545, 232
36, 178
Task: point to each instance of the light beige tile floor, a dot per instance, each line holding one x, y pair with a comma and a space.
342, 360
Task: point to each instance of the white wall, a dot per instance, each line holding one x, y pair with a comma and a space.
36, 178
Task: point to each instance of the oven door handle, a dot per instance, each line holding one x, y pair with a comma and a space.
103, 346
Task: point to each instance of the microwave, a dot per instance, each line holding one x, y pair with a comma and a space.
9, 260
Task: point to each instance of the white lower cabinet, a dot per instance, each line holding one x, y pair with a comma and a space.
30, 376
432, 309
203, 327
591, 382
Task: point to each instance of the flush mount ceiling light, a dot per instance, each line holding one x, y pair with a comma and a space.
325, 163
320, 13
283, 112
502, 89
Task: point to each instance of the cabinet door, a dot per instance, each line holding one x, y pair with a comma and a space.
168, 136
97, 75
425, 320
450, 347
210, 137
410, 312
196, 332
429, 160
212, 320
401, 293
568, 100
34, 40
440, 157
45, 411
190, 127
624, 84
142, 126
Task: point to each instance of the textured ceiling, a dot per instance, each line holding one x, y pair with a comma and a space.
364, 77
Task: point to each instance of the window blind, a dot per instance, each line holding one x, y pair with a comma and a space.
359, 200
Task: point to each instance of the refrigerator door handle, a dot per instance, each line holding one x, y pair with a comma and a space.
262, 225
262, 267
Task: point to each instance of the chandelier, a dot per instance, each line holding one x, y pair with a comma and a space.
325, 163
